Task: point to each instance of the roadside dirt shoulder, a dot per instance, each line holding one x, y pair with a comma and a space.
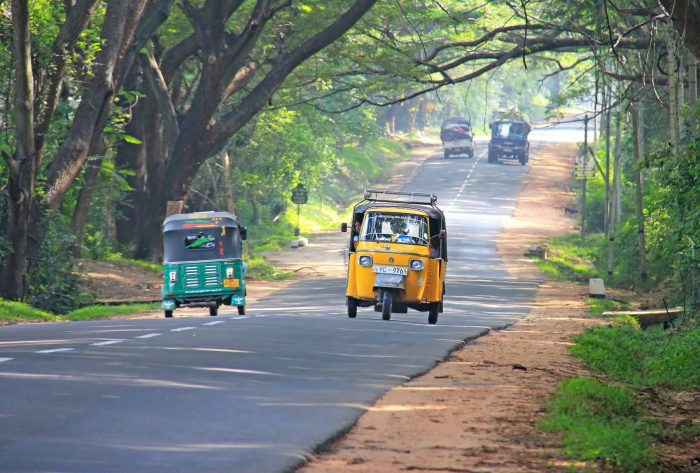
477, 411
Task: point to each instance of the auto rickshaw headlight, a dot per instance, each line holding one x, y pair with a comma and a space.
416, 264
173, 276
365, 260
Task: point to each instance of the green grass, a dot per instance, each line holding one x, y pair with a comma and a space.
12, 311
600, 421
93, 312
16, 312
259, 268
143, 264
642, 358
597, 306
567, 260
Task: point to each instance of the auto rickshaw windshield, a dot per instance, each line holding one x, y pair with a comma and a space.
200, 244
395, 227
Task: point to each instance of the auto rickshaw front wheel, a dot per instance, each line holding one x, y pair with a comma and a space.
168, 314
352, 307
433, 312
387, 301
241, 310
213, 310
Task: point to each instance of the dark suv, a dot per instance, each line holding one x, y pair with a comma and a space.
509, 140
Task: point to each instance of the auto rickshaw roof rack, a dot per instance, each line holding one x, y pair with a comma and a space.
375, 195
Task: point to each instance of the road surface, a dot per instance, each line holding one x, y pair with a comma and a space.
255, 392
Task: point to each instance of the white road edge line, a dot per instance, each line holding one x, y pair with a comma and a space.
55, 350
108, 342
149, 335
215, 323
3, 360
182, 329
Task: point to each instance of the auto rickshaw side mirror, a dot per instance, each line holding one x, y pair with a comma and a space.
244, 233
443, 234
343, 227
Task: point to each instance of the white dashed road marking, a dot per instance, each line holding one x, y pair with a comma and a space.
214, 323
108, 342
2, 360
55, 350
182, 329
149, 335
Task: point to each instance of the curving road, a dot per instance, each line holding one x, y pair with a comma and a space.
256, 392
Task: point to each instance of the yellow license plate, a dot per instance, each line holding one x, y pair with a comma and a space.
232, 283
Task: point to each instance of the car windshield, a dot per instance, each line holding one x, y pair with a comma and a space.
395, 227
510, 130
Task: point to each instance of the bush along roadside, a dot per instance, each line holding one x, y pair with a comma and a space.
16, 312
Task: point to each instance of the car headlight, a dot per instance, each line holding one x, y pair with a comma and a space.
365, 260
416, 264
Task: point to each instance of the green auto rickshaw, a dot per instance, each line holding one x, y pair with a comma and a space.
202, 262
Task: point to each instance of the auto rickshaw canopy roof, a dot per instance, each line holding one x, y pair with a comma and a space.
201, 236
190, 221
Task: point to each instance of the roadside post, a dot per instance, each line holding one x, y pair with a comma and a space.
299, 196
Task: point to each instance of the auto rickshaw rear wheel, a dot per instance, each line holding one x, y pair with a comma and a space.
213, 310
352, 307
387, 300
241, 310
168, 314
433, 313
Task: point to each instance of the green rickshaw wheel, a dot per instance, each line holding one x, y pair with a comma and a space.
241, 310
168, 314
213, 310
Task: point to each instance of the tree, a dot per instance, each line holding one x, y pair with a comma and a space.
28, 206
205, 87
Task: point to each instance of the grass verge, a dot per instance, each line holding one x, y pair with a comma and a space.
568, 260
601, 422
16, 312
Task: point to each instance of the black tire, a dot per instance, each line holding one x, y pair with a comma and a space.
433, 313
447, 154
492, 157
523, 159
213, 310
168, 314
241, 310
352, 307
387, 301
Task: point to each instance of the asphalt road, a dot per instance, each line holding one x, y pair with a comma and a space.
252, 393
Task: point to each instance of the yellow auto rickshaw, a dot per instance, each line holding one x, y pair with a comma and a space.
397, 254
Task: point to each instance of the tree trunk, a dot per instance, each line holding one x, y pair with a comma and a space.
686, 18
608, 116
228, 185
614, 204
692, 79
672, 97
82, 207
23, 164
638, 123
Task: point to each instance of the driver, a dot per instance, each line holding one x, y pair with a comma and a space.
399, 228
